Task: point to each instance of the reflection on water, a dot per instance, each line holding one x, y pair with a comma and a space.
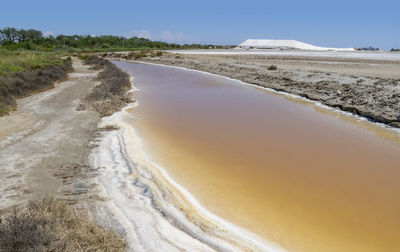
307, 180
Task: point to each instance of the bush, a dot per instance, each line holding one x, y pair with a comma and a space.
272, 67
23, 83
50, 225
113, 82
96, 62
110, 95
137, 55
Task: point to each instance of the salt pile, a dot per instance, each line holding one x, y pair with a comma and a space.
285, 45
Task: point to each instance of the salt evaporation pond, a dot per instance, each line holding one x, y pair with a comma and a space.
304, 177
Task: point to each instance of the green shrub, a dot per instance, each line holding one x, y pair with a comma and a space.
16, 61
272, 67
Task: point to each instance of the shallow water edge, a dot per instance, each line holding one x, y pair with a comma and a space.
156, 213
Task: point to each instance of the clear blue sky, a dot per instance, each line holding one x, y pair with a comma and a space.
336, 23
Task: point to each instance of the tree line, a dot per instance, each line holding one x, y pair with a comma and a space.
31, 39
13, 35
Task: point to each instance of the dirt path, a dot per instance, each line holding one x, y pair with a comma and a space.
47, 141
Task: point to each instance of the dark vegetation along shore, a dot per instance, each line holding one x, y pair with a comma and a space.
111, 94
374, 97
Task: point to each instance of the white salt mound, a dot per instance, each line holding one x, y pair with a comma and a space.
285, 45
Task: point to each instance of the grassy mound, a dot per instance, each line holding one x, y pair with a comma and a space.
17, 61
50, 225
23, 73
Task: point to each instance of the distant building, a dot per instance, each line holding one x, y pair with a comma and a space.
284, 45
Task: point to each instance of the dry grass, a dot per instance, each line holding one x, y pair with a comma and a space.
134, 55
50, 225
96, 62
110, 95
110, 127
108, 106
137, 55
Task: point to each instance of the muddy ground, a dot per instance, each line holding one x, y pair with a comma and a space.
370, 88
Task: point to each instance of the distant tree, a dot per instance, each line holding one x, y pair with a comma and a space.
369, 49
32, 34
31, 39
8, 35
12, 35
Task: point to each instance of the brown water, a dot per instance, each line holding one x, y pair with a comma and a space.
298, 175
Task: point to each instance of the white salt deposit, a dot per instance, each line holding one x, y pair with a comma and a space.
285, 45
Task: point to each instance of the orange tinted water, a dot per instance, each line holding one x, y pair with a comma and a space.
298, 175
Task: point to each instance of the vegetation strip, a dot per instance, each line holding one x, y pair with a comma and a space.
110, 95
17, 39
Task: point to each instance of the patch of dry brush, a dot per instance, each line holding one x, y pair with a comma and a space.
134, 55
110, 95
51, 225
